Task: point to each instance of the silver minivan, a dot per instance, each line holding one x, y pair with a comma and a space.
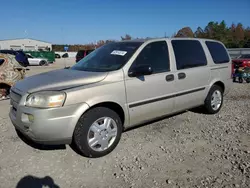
117, 86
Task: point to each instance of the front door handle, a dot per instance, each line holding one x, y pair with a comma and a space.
170, 78
181, 75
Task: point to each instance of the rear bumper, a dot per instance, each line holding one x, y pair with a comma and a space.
228, 85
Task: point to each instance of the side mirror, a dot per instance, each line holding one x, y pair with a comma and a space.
140, 70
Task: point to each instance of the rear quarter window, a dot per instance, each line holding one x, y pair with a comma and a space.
218, 52
188, 54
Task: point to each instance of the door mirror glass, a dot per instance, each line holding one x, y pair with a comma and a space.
140, 70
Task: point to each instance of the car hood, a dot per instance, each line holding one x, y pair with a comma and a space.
59, 80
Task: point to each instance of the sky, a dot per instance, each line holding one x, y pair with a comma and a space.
85, 21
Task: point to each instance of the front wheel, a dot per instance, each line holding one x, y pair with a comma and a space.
97, 132
42, 63
248, 80
214, 100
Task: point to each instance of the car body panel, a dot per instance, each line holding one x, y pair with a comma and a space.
37, 61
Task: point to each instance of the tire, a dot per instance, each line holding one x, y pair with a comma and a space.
85, 130
213, 109
240, 80
42, 63
248, 80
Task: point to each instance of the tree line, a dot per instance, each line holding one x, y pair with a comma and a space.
233, 36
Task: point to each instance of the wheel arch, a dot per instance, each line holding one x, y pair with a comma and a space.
218, 83
4, 86
113, 106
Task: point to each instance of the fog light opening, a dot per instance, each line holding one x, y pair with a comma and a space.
30, 118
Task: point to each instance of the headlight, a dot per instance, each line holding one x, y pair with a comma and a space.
46, 99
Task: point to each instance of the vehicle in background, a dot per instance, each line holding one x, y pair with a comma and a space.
82, 53
57, 56
36, 60
242, 61
20, 56
48, 55
66, 55
241, 66
121, 85
11, 71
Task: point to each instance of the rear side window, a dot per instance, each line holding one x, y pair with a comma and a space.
218, 52
156, 55
188, 54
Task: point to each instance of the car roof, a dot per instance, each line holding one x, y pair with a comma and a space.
179, 38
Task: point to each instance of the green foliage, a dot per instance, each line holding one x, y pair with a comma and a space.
185, 32
234, 36
127, 37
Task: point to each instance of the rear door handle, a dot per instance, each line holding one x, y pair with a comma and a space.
181, 75
170, 78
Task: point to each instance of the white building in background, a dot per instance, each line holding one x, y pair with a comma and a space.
25, 44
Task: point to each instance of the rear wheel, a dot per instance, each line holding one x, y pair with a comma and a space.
248, 80
97, 132
214, 100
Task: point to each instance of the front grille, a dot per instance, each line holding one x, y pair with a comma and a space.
15, 96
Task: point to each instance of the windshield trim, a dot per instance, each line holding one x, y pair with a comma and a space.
139, 44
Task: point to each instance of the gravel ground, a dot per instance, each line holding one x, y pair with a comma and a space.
187, 150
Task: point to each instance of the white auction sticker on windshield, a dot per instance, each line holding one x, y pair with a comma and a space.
118, 52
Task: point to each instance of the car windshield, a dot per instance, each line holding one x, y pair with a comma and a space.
245, 56
109, 57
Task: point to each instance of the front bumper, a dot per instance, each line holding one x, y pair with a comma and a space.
48, 126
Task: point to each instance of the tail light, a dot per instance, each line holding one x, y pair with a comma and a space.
244, 63
247, 63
